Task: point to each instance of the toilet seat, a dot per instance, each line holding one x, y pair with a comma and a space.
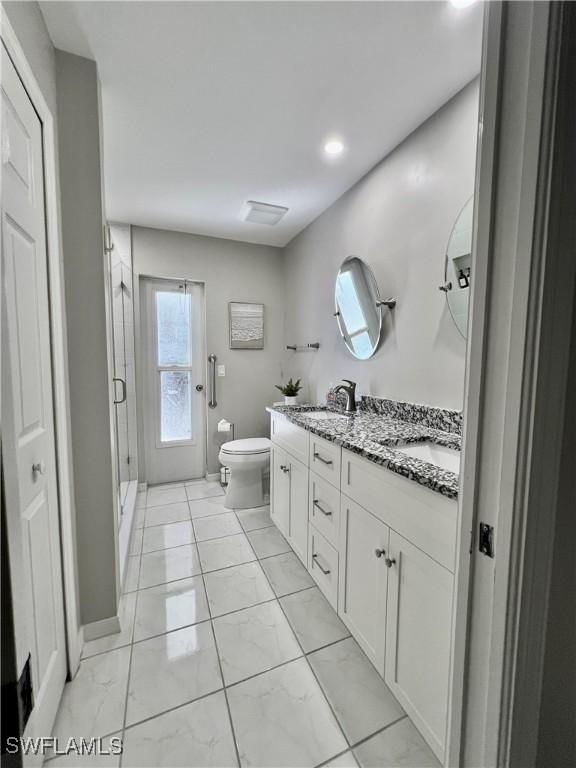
250, 446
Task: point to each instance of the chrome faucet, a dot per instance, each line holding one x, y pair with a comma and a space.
350, 389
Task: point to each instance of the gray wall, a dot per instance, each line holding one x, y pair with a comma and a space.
398, 218
30, 28
232, 271
88, 333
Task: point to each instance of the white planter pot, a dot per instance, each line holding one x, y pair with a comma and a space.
290, 400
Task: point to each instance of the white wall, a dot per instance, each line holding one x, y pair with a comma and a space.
398, 218
86, 284
232, 271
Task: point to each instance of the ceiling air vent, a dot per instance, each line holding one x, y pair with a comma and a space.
263, 213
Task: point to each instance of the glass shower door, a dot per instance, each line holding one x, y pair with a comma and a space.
121, 279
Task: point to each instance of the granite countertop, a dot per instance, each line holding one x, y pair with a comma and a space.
374, 436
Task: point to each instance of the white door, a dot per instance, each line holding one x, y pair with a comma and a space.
280, 491
298, 474
363, 578
27, 416
418, 636
175, 370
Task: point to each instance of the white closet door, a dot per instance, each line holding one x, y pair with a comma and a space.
27, 415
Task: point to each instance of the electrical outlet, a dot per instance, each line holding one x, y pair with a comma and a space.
221, 370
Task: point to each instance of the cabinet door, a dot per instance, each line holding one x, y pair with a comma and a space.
280, 490
418, 636
298, 532
363, 578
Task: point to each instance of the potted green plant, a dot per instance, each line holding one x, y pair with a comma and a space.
290, 391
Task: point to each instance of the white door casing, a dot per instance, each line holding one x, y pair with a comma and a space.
28, 419
167, 459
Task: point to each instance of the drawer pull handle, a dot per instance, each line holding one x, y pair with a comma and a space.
322, 459
389, 562
324, 511
379, 552
325, 571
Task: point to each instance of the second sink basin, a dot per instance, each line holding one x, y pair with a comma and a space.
439, 455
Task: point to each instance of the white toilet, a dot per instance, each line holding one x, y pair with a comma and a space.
247, 461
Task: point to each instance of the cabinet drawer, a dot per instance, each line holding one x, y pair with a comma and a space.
421, 515
324, 508
323, 565
325, 459
294, 439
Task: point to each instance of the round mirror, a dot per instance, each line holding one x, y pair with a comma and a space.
358, 308
457, 268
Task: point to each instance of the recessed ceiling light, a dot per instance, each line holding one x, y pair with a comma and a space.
334, 147
462, 3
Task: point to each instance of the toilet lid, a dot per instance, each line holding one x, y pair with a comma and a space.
248, 445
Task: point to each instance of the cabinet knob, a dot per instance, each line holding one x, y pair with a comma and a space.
379, 552
282, 467
39, 468
389, 562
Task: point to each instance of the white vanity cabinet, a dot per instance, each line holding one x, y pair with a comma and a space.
289, 494
382, 549
363, 578
279, 490
418, 638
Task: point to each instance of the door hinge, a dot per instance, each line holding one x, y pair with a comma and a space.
127, 459
17, 704
486, 539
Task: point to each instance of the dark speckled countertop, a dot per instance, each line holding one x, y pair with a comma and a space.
374, 436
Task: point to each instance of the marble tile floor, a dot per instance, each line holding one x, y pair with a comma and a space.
229, 655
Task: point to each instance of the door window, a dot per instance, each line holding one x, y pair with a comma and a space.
174, 365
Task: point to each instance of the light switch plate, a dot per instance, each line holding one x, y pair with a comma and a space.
221, 370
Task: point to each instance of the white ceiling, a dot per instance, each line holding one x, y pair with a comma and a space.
209, 104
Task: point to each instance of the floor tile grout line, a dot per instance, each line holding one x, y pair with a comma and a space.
336, 720
211, 618
129, 726
133, 641
216, 648
129, 676
362, 741
174, 581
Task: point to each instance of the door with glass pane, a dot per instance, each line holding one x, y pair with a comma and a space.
174, 418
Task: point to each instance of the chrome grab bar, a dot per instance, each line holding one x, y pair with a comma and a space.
123, 398
212, 402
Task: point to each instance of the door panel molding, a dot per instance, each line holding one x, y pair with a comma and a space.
61, 399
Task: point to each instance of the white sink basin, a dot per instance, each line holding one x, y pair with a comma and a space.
439, 455
322, 415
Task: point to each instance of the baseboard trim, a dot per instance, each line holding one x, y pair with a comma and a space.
212, 476
97, 629
142, 487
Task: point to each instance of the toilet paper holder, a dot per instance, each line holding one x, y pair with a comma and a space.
226, 426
